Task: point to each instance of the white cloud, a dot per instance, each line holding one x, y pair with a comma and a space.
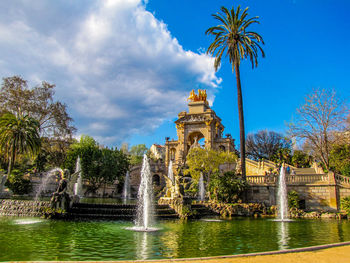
116, 66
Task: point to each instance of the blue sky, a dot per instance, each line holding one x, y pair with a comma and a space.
125, 67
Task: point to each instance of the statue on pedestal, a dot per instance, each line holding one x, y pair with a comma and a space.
60, 199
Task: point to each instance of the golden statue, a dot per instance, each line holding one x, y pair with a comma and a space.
202, 95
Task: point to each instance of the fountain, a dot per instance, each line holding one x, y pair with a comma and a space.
45, 181
78, 185
145, 204
201, 189
170, 172
282, 199
126, 189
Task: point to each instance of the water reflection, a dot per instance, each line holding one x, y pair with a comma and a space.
142, 245
283, 235
93, 241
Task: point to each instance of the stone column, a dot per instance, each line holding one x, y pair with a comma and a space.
333, 191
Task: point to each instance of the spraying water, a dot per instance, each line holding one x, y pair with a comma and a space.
45, 181
78, 185
145, 199
282, 200
201, 189
170, 171
126, 189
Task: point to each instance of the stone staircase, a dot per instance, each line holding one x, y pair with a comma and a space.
115, 211
201, 211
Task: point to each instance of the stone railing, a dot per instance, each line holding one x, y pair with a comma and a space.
307, 178
290, 179
342, 180
261, 179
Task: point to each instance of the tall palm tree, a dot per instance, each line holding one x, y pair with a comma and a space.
18, 135
233, 39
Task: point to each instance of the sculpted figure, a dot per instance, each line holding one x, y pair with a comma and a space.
60, 198
202, 95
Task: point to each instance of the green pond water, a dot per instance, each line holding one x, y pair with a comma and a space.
42, 240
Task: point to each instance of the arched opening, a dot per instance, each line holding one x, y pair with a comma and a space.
156, 179
222, 148
195, 139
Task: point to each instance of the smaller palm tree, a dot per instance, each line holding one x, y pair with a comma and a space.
18, 135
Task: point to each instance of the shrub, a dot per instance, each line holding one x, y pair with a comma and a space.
226, 188
18, 183
345, 204
293, 199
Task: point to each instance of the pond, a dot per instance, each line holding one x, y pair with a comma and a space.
25, 239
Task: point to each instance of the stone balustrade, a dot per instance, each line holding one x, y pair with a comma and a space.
290, 179
342, 180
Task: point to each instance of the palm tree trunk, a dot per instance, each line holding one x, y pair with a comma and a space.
241, 120
11, 160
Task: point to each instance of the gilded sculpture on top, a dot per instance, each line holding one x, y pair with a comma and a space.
202, 95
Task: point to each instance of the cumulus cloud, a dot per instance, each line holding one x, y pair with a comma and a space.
117, 67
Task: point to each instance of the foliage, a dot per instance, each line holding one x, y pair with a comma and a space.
38, 103
345, 204
206, 162
136, 153
300, 159
266, 145
340, 159
18, 183
18, 135
53, 213
293, 199
53, 153
99, 166
233, 38
321, 116
226, 188
192, 190
282, 155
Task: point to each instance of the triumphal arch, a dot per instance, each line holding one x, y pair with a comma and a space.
199, 122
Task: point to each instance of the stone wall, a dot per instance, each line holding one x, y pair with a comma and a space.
344, 192
22, 207
315, 196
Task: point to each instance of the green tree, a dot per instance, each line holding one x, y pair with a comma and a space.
38, 103
136, 153
226, 188
18, 183
18, 135
207, 162
233, 39
100, 166
340, 159
301, 159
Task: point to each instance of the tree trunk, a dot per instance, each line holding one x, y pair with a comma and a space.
241, 121
11, 160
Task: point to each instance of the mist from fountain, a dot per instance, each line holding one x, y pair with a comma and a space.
170, 171
45, 180
201, 189
145, 206
282, 198
78, 186
126, 188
